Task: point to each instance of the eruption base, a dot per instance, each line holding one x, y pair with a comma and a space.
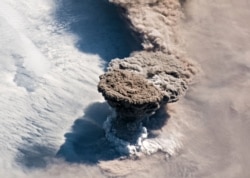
141, 144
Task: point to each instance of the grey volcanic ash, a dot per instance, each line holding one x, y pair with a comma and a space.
154, 20
137, 86
128, 88
167, 72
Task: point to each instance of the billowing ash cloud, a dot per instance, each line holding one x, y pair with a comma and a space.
128, 88
154, 20
139, 85
167, 72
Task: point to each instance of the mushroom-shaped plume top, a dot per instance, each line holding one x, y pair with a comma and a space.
166, 72
129, 93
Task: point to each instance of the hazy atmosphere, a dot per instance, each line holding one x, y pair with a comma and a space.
52, 53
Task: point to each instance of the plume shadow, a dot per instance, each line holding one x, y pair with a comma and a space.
34, 156
98, 26
156, 121
86, 143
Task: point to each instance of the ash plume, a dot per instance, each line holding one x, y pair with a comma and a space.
137, 86
133, 99
166, 71
154, 20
